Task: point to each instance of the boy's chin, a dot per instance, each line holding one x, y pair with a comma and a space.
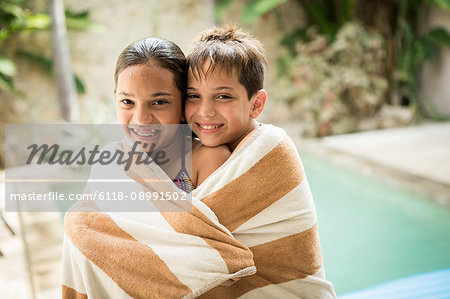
209, 141
210, 144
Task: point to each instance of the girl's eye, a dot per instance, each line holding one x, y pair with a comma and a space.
127, 102
160, 102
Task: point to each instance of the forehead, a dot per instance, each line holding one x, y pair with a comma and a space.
213, 74
150, 73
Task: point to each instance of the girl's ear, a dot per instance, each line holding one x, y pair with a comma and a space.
258, 102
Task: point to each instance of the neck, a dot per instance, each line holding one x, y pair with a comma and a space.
253, 126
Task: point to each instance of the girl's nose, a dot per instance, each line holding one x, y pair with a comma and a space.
142, 116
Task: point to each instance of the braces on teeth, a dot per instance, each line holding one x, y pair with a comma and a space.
151, 133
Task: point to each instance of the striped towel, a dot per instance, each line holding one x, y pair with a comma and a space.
254, 214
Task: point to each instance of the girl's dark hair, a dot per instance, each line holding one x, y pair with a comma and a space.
166, 53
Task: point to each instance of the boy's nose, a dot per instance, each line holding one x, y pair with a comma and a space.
206, 109
142, 116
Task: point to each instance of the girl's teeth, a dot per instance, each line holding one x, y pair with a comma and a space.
145, 134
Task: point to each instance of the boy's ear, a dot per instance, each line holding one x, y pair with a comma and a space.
258, 103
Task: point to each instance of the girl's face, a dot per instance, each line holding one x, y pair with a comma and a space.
146, 98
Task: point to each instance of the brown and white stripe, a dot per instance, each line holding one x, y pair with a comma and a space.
254, 211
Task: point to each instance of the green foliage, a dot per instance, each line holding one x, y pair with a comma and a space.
412, 49
221, 7
257, 8
15, 19
7, 72
442, 4
407, 48
81, 21
337, 86
329, 15
47, 65
440, 36
7, 67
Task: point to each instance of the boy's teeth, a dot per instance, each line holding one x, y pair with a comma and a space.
209, 127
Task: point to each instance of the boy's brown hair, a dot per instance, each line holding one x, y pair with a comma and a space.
230, 48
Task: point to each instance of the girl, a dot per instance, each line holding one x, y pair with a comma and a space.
150, 92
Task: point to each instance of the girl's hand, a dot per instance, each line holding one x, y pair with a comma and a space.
230, 281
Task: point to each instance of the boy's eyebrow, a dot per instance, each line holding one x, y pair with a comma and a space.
224, 87
161, 93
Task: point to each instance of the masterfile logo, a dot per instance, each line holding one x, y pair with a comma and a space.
52, 167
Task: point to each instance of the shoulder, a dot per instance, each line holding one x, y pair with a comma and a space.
205, 160
214, 155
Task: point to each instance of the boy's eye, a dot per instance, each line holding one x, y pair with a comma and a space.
192, 97
224, 97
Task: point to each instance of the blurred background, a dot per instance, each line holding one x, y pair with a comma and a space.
362, 87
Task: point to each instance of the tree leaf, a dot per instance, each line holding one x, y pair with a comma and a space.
38, 22
82, 14
47, 65
82, 24
7, 67
6, 84
442, 4
440, 36
257, 8
427, 47
221, 7
81, 21
12, 9
42, 61
79, 85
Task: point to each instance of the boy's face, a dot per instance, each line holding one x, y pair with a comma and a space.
218, 108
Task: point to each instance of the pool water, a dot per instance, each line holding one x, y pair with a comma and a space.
371, 232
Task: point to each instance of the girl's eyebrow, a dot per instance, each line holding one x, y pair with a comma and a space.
217, 88
125, 94
157, 94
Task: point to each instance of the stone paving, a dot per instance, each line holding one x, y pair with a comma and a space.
416, 158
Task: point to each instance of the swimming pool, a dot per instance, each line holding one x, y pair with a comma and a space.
373, 233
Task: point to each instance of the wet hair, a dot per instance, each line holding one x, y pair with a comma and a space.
164, 52
229, 48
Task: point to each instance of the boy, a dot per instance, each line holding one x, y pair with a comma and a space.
269, 208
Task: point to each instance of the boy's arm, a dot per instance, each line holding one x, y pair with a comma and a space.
205, 160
